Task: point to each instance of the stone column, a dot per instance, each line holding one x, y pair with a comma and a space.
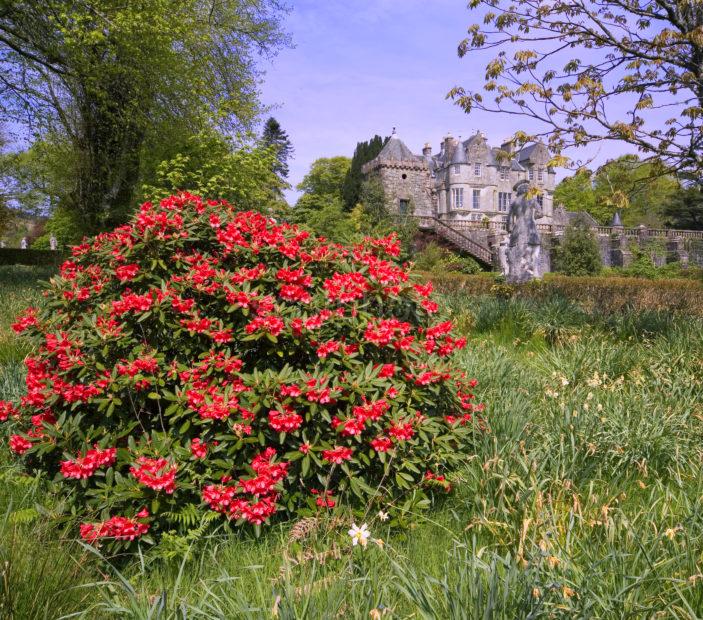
620, 255
676, 251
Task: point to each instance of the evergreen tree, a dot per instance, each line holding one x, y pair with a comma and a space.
275, 137
579, 254
363, 153
685, 209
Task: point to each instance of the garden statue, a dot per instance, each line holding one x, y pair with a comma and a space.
524, 242
53, 244
23, 243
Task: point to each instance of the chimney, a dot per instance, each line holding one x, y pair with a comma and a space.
508, 146
427, 150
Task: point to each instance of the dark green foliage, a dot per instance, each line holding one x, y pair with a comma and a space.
578, 254
363, 153
15, 256
275, 137
685, 209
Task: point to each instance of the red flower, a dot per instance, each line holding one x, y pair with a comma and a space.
119, 528
401, 431
125, 273
198, 448
26, 320
7, 410
86, 465
331, 346
286, 421
337, 455
19, 444
157, 474
346, 287
382, 444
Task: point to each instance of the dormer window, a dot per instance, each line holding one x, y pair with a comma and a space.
477, 169
504, 172
456, 168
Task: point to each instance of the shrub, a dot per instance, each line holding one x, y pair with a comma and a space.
601, 295
200, 359
578, 254
438, 259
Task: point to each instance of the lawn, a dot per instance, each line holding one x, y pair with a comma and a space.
584, 499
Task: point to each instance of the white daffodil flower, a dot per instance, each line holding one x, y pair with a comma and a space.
359, 535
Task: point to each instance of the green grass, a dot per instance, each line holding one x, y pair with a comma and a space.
585, 499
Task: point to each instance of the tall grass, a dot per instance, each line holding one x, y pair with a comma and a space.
584, 500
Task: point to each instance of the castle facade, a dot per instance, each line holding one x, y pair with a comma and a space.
467, 180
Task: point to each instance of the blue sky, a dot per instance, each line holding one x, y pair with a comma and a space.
361, 67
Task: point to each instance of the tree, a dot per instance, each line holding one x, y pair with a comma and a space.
622, 70
576, 192
578, 254
363, 153
323, 183
211, 165
274, 137
104, 74
639, 190
685, 209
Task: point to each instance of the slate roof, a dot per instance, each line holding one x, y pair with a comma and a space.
396, 150
525, 152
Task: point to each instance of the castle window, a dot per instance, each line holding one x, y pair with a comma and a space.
403, 206
456, 169
476, 199
540, 200
540, 174
458, 197
403, 176
504, 199
504, 173
531, 173
477, 169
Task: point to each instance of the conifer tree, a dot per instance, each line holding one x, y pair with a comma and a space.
363, 153
275, 136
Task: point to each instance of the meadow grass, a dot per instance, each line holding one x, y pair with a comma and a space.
583, 500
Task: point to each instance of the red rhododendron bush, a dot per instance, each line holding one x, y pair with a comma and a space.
202, 359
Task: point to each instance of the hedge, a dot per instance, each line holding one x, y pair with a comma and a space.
17, 256
596, 293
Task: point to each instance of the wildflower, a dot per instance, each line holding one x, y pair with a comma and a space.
383, 516
568, 592
359, 535
670, 533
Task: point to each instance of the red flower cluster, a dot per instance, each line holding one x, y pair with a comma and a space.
119, 528
85, 466
232, 500
157, 474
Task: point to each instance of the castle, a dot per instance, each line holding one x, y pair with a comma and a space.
466, 181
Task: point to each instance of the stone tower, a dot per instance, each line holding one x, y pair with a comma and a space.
405, 177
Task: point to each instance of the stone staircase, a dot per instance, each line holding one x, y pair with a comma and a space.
458, 238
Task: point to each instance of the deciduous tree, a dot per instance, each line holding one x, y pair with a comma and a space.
106, 73
596, 70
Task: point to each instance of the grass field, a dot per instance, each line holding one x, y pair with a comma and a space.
585, 499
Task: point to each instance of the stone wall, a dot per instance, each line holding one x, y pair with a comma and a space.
406, 181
